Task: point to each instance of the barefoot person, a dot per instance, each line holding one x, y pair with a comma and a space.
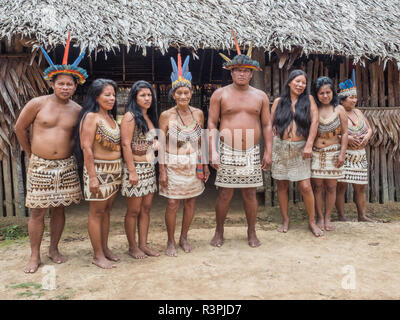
139, 175
181, 178
52, 177
239, 108
355, 163
295, 124
100, 141
328, 151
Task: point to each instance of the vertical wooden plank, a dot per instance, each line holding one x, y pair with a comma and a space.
384, 196
390, 173
18, 185
310, 65
2, 211
373, 74
8, 194
349, 193
321, 69
396, 166
396, 85
375, 185
268, 188
267, 81
326, 71
359, 85
342, 76
382, 93
368, 150
315, 72
275, 77
365, 86
211, 66
390, 81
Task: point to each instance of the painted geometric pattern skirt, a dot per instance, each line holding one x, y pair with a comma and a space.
239, 168
109, 174
52, 183
182, 178
323, 164
355, 167
147, 180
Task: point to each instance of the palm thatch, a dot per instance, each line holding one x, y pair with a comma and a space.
385, 124
353, 28
20, 80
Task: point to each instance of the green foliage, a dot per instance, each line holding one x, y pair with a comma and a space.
13, 232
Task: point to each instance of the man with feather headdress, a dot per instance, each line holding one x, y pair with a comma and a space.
239, 108
52, 177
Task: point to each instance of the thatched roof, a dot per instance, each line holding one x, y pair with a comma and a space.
355, 28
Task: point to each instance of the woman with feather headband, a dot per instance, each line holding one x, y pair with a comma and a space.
182, 174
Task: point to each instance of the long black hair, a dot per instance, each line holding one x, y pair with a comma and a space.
134, 108
318, 84
91, 105
283, 115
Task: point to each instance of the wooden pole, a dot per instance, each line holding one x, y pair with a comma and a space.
275, 80
212, 66
390, 81
8, 194
382, 96
365, 86
384, 198
267, 81
123, 65
374, 81
390, 173
2, 212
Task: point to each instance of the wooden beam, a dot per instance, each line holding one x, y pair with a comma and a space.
382, 93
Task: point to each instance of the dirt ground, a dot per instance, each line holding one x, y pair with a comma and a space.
356, 261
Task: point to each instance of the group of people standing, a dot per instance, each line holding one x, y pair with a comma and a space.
307, 138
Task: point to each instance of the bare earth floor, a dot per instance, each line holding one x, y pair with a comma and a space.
356, 261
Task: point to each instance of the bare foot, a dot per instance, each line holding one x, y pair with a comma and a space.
364, 219
32, 265
315, 230
342, 218
103, 263
57, 257
150, 252
137, 253
171, 250
253, 240
185, 245
321, 223
111, 256
218, 239
328, 225
284, 227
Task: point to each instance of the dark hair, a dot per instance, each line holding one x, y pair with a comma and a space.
283, 115
54, 78
318, 84
134, 108
91, 105
342, 98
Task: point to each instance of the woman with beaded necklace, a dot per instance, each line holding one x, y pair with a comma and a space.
328, 151
100, 140
182, 175
355, 164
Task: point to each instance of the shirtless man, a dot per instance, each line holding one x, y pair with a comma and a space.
52, 177
240, 108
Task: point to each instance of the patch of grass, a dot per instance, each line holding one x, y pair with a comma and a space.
30, 294
62, 297
13, 232
26, 285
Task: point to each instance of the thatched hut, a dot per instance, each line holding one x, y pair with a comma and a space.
129, 40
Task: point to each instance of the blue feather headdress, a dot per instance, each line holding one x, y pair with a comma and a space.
348, 88
72, 69
180, 76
